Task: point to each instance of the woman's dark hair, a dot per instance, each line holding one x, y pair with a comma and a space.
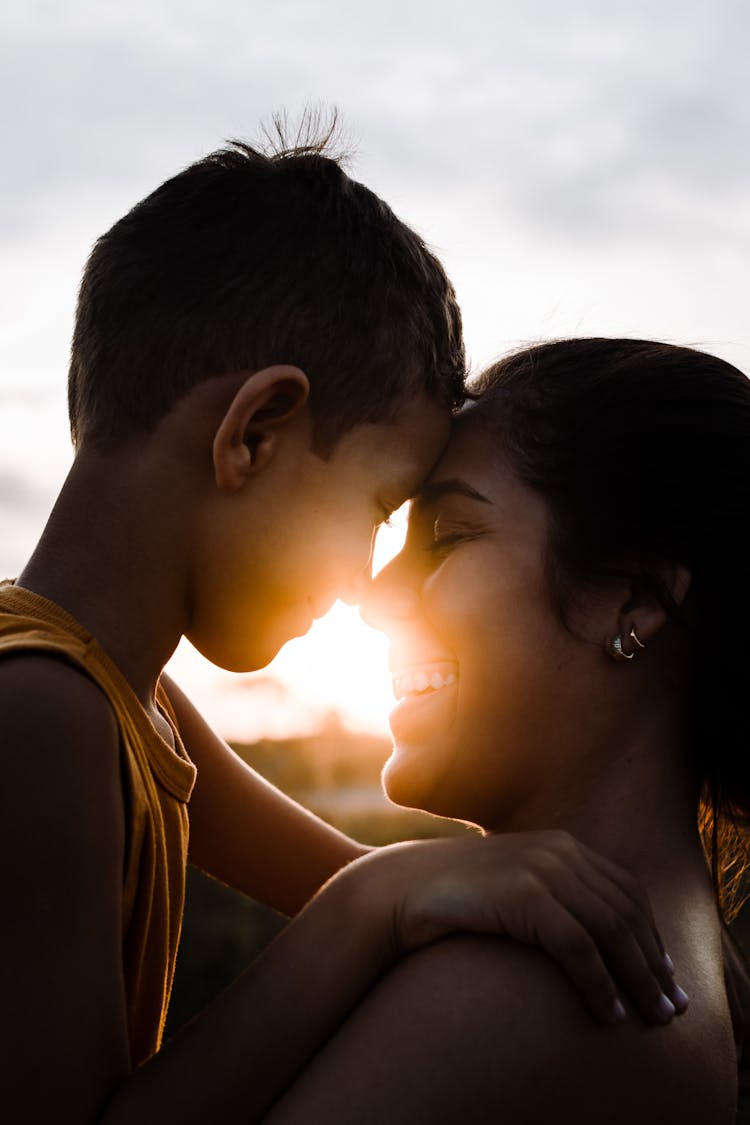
249, 258
642, 450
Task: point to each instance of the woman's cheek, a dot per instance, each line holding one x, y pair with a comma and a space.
455, 596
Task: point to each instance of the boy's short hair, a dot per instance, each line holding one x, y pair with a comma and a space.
248, 258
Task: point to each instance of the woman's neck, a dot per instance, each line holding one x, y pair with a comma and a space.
629, 794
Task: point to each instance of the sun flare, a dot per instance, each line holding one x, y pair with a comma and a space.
340, 666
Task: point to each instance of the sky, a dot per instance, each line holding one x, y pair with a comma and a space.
580, 168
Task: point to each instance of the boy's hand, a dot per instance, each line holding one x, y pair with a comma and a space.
539, 888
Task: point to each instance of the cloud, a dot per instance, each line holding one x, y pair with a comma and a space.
552, 116
582, 167
19, 495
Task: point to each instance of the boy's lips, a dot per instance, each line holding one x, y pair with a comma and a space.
319, 606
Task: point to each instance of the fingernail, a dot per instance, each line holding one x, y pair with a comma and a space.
669, 963
618, 1011
680, 999
665, 1008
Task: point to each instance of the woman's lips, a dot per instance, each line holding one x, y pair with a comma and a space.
427, 697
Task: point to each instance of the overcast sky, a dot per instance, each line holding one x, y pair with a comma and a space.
580, 167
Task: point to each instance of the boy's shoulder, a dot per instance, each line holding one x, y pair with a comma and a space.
56, 682
56, 723
50, 680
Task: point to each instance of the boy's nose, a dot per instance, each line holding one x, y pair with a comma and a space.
358, 588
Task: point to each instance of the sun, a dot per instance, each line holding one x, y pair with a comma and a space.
340, 666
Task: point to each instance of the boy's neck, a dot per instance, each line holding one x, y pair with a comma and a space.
110, 555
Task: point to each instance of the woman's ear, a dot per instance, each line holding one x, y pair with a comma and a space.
642, 614
248, 432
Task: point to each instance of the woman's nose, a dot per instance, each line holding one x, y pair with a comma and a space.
388, 599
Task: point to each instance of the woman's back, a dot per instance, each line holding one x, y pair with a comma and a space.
698, 1053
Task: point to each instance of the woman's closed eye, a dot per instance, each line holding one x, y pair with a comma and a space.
443, 541
386, 511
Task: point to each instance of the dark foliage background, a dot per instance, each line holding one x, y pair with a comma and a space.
335, 773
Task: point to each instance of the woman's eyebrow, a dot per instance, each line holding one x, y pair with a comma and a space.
436, 490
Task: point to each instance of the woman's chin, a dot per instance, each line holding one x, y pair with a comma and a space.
414, 779
422, 728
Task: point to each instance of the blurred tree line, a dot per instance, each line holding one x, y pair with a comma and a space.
334, 772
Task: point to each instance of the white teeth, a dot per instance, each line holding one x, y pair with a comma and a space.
416, 681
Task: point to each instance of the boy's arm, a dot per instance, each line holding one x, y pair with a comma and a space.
238, 1059
61, 832
65, 1047
260, 836
262, 842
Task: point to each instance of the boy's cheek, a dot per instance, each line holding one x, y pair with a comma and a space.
340, 562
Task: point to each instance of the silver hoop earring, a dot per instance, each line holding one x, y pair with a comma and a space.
636, 639
615, 649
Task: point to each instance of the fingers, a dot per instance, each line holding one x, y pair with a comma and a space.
628, 942
629, 886
588, 914
571, 944
626, 895
608, 953
614, 911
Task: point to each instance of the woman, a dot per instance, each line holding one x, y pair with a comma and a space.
569, 651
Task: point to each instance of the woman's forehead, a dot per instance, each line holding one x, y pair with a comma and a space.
470, 448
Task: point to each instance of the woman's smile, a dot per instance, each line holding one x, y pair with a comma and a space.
421, 679
427, 695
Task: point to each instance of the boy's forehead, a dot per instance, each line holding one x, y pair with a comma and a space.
400, 453
422, 426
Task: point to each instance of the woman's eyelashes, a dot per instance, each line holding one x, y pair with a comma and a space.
444, 540
385, 518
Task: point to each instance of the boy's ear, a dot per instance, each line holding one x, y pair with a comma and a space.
643, 610
248, 432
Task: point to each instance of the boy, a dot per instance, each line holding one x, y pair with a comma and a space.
264, 365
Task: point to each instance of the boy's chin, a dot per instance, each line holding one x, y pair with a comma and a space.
231, 658
254, 651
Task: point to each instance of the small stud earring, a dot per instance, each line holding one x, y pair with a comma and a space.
616, 650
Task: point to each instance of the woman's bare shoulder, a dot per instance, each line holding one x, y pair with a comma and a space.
479, 1030
529, 1025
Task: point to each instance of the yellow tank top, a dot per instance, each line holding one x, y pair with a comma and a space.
157, 782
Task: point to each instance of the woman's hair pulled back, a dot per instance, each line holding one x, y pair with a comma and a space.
642, 451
